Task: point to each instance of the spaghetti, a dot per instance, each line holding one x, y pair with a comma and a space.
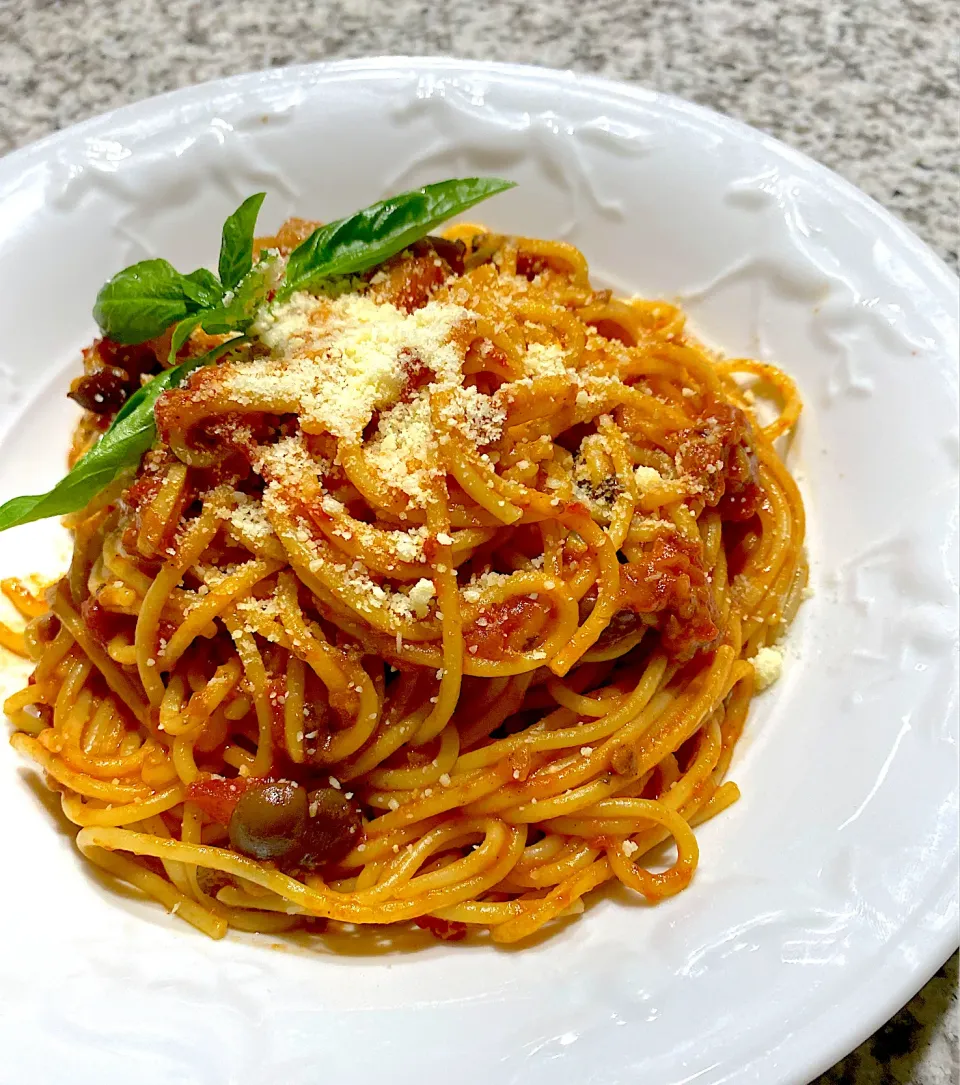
442, 599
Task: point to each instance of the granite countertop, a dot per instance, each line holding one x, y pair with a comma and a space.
870, 89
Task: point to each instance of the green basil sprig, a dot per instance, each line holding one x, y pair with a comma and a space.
236, 243
131, 434
144, 300
361, 241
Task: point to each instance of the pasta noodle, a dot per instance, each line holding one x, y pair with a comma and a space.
442, 599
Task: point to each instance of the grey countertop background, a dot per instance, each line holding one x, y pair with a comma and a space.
868, 87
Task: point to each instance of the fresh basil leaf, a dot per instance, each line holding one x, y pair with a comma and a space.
122, 445
130, 435
240, 307
225, 318
236, 244
363, 240
181, 333
215, 321
142, 301
203, 287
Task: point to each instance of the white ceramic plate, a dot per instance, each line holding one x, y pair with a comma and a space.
824, 898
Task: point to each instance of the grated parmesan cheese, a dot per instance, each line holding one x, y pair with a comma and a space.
251, 607
403, 450
648, 478
249, 520
335, 361
420, 595
477, 416
477, 584
409, 544
768, 664
289, 460
544, 361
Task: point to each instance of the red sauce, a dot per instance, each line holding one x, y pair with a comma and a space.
276, 691
412, 275
143, 491
417, 375
103, 624
216, 796
444, 929
671, 583
719, 454
530, 265
504, 632
133, 360
654, 786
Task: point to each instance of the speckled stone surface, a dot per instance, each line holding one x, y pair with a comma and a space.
869, 88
